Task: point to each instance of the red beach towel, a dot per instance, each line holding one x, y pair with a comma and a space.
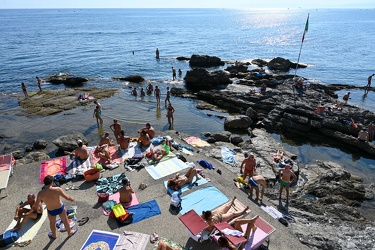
53, 167
115, 156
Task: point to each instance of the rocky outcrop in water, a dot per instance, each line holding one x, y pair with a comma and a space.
132, 78
200, 78
69, 142
66, 79
205, 61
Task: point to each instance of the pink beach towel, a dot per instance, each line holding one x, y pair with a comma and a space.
53, 167
116, 197
115, 156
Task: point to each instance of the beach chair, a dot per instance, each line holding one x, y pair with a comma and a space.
6, 170
256, 239
196, 226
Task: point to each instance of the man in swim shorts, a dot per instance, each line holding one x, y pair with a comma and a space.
81, 153
51, 197
254, 182
126, 191
24, 214
250, 164
287, 177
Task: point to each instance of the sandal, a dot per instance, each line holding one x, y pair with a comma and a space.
50, 236
154, 238
83, 221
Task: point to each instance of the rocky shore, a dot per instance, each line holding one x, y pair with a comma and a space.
324, 205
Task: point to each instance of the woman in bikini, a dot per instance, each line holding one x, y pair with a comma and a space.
221, 214
177, 182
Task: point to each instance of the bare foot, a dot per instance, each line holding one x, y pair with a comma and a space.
246, 208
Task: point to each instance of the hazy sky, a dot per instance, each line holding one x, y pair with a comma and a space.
13, 4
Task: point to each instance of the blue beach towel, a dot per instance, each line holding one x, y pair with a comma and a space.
144, 210
206, 198
185, 187
227, 155
205, 164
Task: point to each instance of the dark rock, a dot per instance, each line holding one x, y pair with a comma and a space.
66, 79
238, 121
131, 78
284, 65
207, 134
40, 144
182, 58
205, 61
236, 140
178, 91
223, 136
259, 62
69, 142
28, 149
17, 154
211, 140
200, 78
237, 68
250, 112
36, 156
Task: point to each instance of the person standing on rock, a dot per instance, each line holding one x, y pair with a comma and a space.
116, 129
287, 177
369, 80
24, 90
39, 82
250, 164
346, 97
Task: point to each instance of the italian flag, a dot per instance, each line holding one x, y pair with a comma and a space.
306, 28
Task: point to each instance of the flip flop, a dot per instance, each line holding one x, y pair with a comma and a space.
154, 238
70, 236
83, 221
50, 236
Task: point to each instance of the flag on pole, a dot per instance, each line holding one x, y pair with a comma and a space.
306, 28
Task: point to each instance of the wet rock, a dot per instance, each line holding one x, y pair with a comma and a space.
200, 78
40, 144
250, 112
66, 79
223, 136
282, 64
238, 121
18, 154
28, 149
205, 61
35, 156
259, 62
131, 78
69, 142
178, 91
236, 140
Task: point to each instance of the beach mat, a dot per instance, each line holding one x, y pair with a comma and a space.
30, 229
53, 167
131, 151
206, 198
143, 211
101, 240
76, 166
273, 212
116, 197
110, 184
186, 187
132, 241
172, 244
165, 168
115, 156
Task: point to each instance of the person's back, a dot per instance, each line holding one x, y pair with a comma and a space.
144, 138
105, 140
126, 191
123, 140
82, 152
51, 197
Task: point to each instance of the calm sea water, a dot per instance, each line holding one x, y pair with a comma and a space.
99, 44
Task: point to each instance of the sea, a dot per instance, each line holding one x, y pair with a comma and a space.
103, 43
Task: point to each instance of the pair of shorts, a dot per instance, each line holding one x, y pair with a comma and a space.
284, 183
253, 183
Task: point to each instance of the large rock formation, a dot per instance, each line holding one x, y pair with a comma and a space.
66, 79
69, 142
131, 78
200, 78
205, 61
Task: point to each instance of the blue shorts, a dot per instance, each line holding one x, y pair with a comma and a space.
56, 211
253, 183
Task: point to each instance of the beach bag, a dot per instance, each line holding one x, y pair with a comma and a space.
59, 179
120, 213
181, 157
176, 201
103, 197
92, 174
8, 237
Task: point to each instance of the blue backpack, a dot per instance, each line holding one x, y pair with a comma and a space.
8, 237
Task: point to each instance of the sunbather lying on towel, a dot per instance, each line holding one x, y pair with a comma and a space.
224, 242
221, 215
177, 182
165, 246
158, 153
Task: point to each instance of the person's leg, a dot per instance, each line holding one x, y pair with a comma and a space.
228, 216
191, 173
101, 121
250, 225
64, 219
257, 192
245, 174
251, 190
281, 190
223, 209
52, 225
287, 193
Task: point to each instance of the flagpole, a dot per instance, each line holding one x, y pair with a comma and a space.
303, 38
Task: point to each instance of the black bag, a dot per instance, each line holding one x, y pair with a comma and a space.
8, 237
181, 157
